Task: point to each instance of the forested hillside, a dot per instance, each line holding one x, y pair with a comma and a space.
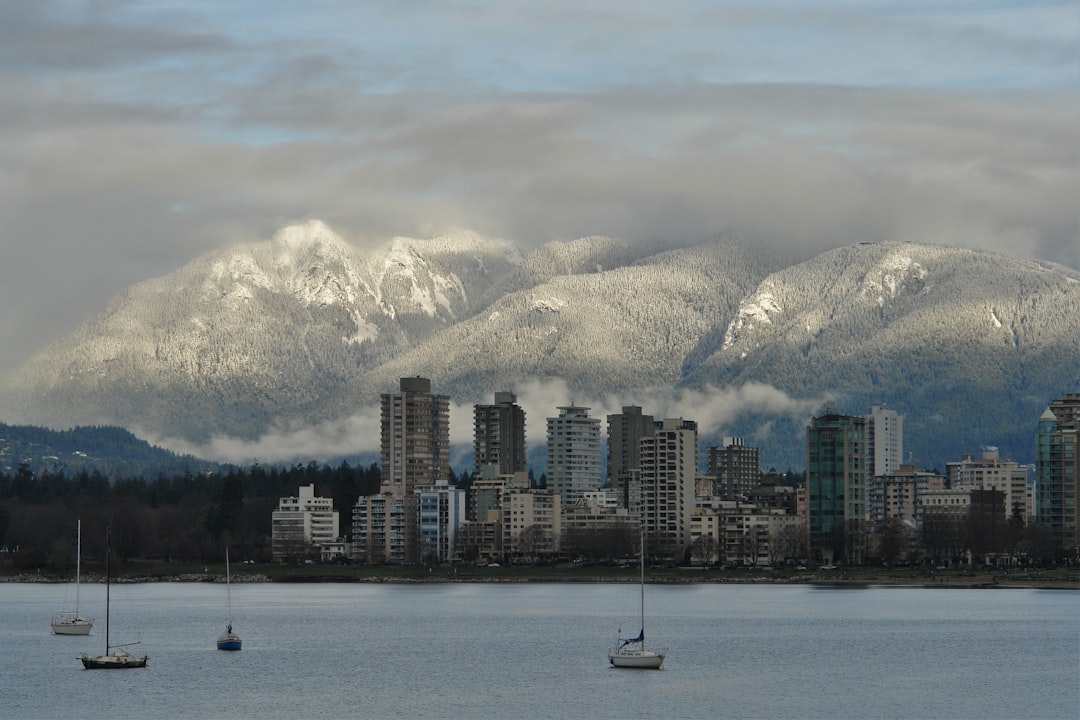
304, 331
106, 451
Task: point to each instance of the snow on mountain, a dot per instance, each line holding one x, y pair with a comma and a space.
304, 330
970, 345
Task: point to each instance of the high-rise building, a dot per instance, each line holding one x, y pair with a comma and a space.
573, 453
415, 437
836, 486
499, 435
625, 431
1057, 467
735, 469
884, 441
668, 480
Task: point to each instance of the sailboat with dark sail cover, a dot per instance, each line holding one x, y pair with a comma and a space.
228, 640
631, 652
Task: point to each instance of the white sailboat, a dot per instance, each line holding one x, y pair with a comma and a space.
631, 652
228, 640
70, 622
115, 657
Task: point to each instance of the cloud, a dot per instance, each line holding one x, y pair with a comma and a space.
136, 138
714, 409
327, 440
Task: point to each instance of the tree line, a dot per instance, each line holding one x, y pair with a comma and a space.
183, 518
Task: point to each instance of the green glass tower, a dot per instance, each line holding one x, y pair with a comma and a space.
836, 486
1057, 466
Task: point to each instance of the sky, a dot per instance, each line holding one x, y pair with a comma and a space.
136, 136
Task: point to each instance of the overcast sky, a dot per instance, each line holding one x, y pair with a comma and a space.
136, 136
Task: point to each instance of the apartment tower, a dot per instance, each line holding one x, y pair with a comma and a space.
1057, 467
415, 437
884, 441
573, 453
735, 469
836, 485
668, 481
499, 435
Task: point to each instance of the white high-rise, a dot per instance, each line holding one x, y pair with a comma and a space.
884, 441
573, 453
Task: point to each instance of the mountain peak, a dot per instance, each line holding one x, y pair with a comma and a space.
306, 329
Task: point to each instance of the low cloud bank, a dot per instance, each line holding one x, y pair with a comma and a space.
714, 409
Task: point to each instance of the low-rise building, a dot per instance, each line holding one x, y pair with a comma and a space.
302, 526
531, 523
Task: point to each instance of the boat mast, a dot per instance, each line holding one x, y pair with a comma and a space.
643, 584
78, 564
108, 577
228, 591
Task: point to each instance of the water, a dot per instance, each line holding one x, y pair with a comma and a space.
539, 651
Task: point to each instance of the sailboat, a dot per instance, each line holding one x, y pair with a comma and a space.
70, 622
631, 652
116, 657
228, 640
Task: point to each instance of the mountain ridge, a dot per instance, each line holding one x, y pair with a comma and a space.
304, 330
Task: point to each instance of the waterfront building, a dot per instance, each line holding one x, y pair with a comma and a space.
836, 486
735, 468
415, 443
598, 522
741, 534
896, 496
573, 453
302, 525
480, 542
531, 523
486, 491
991, 472
668, 483
499, 435
441, 513
1057, 470
385, 529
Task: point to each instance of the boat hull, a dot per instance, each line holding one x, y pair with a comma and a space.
113, 662
228, 641
77, 626
637, 660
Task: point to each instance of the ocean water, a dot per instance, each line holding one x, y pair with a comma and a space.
538, 650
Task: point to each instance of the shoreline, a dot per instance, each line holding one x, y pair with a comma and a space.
961, 581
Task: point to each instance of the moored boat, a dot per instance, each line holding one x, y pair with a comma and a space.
70, 622
116, 657
228, 640
631, 652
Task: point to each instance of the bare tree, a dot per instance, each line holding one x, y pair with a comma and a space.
703, 549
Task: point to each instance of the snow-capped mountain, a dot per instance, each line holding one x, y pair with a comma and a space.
305, 329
